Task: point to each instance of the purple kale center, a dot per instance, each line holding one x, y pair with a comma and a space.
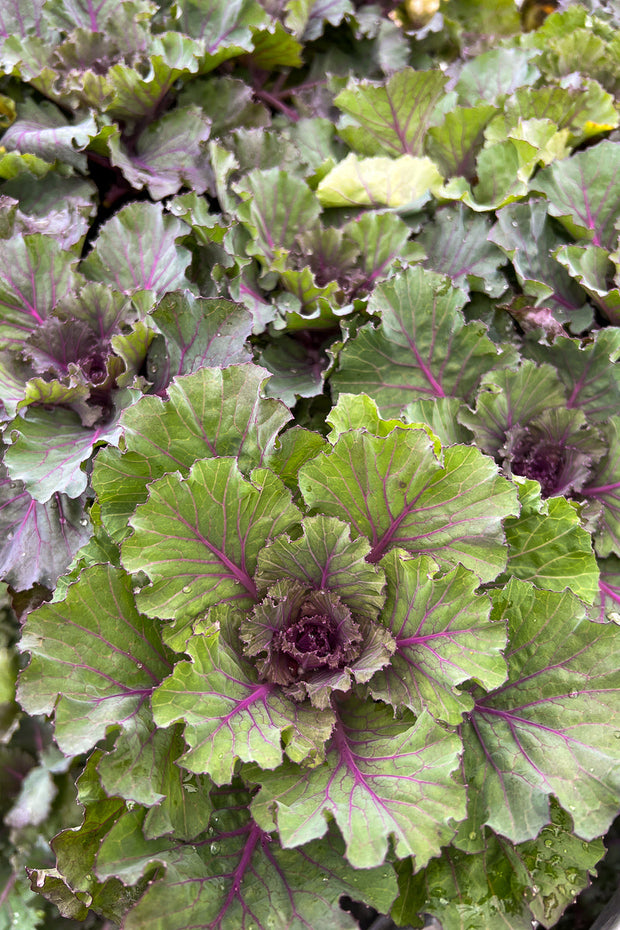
544, 462
311, 642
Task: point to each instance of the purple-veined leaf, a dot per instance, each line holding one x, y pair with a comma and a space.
198, 332
443, 637
229, 714
274, 47
501, 885
222, 28
229, 102
457, 246
495, 73
168, 154
296, 370
455, 144
382, 778
585, 111
589, 371
50, 445
212, 412
553, 728
509, 398
276, 207
306, 18
21, 19
325, 558
524, 232
94, 659
55, 206
35, 273
137, 250
93, 15
602, 494
422, 347
43, 130
198, 538
395, 492
393, 119
39, 540
583, 192
238, 877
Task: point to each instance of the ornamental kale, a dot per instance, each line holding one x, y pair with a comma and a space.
310, 479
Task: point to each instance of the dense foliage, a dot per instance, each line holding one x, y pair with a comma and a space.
310, 494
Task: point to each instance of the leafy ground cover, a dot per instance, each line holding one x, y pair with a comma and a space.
310, 492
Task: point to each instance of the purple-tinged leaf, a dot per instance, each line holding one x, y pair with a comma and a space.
606, 606
457, 245
50, 445
589, 370
509, 398
297, 370
325, 558
93, 658
443, 637
382, 778
552, 728
38, 540
593, 268
583, 192
42, 130
167, 155
215, 522
238, 877
307, 641
93, 15
306, 18
524, 232
35, 274
602, 494
393, 119
198, 333
21, 19
55, 206
212, 412
395, 492
422, 347
276, 207
229, 714
455, 144
229, 102
137, 250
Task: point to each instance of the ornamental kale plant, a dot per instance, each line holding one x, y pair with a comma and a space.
309, 492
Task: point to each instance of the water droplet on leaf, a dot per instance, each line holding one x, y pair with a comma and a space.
548, 843
186, 589
214, 849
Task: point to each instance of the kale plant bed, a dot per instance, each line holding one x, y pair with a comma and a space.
310, 490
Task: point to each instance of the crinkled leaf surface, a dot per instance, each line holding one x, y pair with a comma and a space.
39, 540
501, 885
393, 119
228, 714
551, 729
94, 659
212, 412
137, 250
548, 546
603, 494
239, 877
327, 559
422, 347
382, 778
443, 637
43, 130
215, 522
584, 194
394, 491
